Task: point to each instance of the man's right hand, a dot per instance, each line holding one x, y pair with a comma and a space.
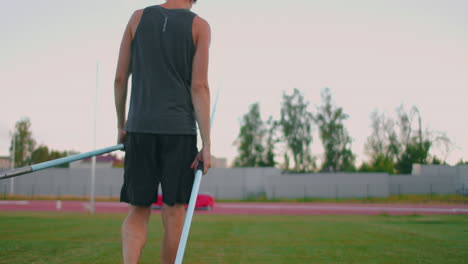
205, 156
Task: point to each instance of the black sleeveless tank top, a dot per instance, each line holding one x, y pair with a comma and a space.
162, 55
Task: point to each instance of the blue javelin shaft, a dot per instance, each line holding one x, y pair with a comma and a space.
193, 198
56, 162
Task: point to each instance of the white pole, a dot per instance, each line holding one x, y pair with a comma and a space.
193, 199
12, 165
188, 217
93, 178
93, 159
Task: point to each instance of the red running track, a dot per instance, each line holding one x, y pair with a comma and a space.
250, 208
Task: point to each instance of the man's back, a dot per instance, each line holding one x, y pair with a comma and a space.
162, 55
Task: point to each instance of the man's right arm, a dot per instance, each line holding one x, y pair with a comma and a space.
200, 88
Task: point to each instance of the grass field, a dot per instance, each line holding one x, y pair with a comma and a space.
80, 238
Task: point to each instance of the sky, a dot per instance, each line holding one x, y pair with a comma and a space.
372, 54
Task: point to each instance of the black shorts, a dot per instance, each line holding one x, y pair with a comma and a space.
151, 159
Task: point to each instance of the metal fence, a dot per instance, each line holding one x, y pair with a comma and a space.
244, 184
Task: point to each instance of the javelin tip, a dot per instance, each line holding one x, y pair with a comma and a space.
15, 172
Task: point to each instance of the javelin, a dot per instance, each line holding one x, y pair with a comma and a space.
193, 197
52, 163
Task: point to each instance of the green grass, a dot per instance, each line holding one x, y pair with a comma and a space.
27, 237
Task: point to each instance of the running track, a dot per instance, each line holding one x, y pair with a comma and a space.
250, 208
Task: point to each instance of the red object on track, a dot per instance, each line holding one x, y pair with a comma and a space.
204, 202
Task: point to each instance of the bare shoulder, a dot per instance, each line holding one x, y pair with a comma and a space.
135, 20
137, 14
201, 25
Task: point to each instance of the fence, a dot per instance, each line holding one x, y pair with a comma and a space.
59, 182
244, 183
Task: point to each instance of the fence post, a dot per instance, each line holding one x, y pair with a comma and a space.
431, 190
244, 196
367, 190
463, 190
305, 192
336, 192
58, 192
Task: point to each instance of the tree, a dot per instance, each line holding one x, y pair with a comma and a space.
443, 144
437, 161
56, 154
22, 143
25, 151
381, 145
271, 140
43, 153
379, 142
296, 126
400, 142
414, 145
40, 154
250, 139
379, 163
334, 136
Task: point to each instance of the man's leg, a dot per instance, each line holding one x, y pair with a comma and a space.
173, 222
134, 230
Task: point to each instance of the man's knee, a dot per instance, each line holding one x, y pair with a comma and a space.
177, 210
139, 211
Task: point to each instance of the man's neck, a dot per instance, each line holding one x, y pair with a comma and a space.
178, 4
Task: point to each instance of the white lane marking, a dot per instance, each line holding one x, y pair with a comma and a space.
86, 206
58, 205
112, 204
312, 207
105, 204
15, 202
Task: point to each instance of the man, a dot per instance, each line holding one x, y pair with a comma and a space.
165, 48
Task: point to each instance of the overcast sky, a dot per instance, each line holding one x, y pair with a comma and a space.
372, 54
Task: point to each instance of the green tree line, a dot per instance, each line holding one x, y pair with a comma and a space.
394, 145
25, 149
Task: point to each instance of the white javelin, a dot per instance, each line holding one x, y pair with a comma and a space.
193, 198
